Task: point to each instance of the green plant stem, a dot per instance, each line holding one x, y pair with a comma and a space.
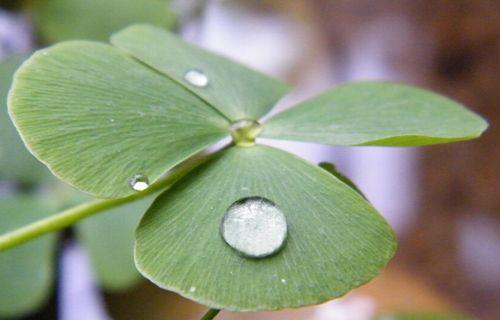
210, 314
70, 216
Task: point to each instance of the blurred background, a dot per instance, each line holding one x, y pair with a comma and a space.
443, 201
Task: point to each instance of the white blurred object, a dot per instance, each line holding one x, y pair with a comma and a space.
352, 307
7, 188
388, 178
268, 42
386, 175
478, 242
79, 298
15, 34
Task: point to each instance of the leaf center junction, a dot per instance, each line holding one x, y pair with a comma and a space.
244, 132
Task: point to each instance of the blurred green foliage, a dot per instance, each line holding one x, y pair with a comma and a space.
27, 271
58, 20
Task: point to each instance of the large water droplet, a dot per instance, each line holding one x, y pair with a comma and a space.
255, 227
196, 77
139, 182
245, 131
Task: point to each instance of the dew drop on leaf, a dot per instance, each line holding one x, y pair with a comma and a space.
255, 227
139, 182
196, 78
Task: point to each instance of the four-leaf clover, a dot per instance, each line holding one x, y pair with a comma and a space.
112, 119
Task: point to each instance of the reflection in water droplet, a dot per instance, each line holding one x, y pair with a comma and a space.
283, 281
139, 182
196, 78
255, 227
192, 289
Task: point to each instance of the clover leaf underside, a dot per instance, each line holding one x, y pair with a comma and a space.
97, 115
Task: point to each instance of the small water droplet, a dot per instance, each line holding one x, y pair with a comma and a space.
111, 120
283, 281
255, 227
139, 182
192, 289
196, 77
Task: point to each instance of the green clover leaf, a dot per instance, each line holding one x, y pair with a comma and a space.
98, 118
376, 114
110, 120
336, 240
